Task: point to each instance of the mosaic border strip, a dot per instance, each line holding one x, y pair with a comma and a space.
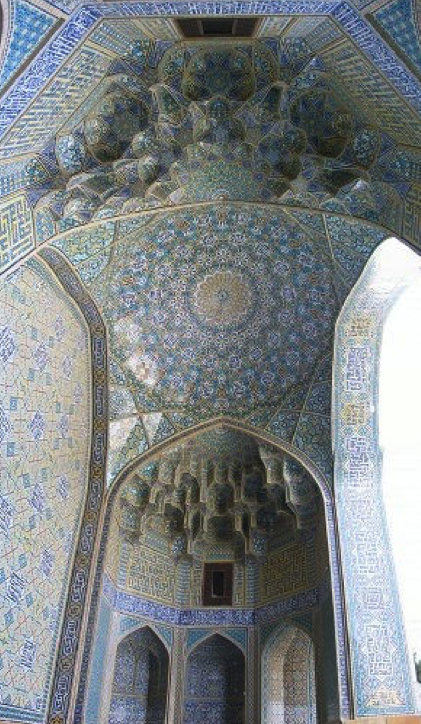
157, 612
79, 582
75, 29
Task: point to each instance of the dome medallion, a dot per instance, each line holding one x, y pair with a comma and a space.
222, 299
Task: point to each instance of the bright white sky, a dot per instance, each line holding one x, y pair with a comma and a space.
400, 437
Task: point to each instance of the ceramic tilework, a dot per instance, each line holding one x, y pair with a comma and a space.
411, 226
173, 373
357, 78
44, 432
295, 420
283, 573
88, 526
304, 418
215, 683
288, 678
152, 610
133, 605
30, 24
378, 651
317, 32
16, 230
150, 574
273, 26
398, 20
182, 591
83, 244
122, 37
21, 174
237, 635
327, 669
99, 661
82, 21
140, 680
79, 76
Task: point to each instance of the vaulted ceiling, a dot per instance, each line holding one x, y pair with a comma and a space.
217, 196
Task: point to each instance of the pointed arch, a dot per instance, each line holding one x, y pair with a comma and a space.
215, 682
140, 679
144, 625
261, 437
219, 632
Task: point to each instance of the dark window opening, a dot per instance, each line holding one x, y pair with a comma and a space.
217, 584
217, 27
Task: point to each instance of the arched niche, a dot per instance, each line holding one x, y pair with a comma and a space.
331, 612
214, 688
140, 680
288, 678
381, 674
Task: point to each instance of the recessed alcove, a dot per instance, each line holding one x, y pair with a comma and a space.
220, 540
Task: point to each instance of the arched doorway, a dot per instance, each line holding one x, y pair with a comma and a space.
215, 683
140, 681
288, 678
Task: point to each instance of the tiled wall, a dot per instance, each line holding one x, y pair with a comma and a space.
44, 438
214, 683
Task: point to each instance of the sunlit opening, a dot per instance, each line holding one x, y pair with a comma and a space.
400, 438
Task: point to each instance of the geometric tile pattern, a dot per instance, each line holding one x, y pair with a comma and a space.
397, 19
46, 114
30, 24
327, 669
16, 230
412, 213
152, 540
215, 683
20, 174
44, 434
382, 88
288, 678
151, 574
353, 24
359, 79
130, 604
217, 307
133, 605
89, 518
140, 680
171, 377
99, 661
284, 571
382, 680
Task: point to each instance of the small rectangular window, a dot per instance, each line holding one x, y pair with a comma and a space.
217, 584
217, 27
